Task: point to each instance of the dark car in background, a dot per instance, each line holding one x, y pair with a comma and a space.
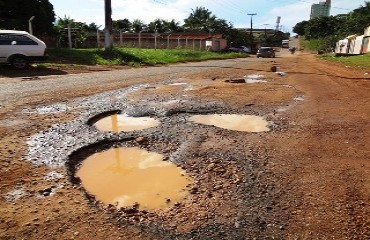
241, 49
266, 52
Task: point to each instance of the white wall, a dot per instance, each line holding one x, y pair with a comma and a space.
367, 31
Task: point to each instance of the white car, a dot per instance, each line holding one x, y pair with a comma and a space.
19, 48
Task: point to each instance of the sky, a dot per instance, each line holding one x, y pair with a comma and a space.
234, 11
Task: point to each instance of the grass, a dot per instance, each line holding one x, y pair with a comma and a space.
132, 56
61, 61
357, 60
313, 45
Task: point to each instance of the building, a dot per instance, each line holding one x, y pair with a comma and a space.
321, 9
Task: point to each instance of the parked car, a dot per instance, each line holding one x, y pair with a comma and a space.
266, 52
240, 49
19, 48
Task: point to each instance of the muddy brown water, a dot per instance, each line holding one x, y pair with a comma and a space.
123, 123
126, 176
245, 123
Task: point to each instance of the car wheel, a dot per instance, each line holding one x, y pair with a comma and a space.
19, 61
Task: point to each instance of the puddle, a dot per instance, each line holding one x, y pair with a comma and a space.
177, 84
254, 76
299, 98
254, 81
126, 176
245, 123
123, 123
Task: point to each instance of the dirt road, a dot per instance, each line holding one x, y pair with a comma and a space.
306, 178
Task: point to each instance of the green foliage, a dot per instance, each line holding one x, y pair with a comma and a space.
132, 56
138, 25
358, 61
322, 27
359, 19
300, 28
237, 37
16, 13
324, 32
162, 26
123, 24
339, 26
201, 19
79, 31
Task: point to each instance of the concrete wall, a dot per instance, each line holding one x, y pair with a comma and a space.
367, 31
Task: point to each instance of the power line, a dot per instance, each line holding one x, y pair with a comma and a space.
160, 2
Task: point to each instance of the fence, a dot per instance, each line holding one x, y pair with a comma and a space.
195, 41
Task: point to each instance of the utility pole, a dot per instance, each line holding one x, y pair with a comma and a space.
69, 36
98, 37
108, 24
266, 24
251, 29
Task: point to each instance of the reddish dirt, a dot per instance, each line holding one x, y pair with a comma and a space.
319, 162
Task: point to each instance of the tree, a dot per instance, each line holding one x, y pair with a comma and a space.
138, 25
16, 13
201, 19
92, 27
157, 25
300, 27
123, 24
79, 31
321, 27
172, 26
333, 28
237, 37
358, 19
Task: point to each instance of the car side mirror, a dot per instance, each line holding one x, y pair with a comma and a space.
14, 42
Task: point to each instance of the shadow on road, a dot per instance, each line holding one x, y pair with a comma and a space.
9, 71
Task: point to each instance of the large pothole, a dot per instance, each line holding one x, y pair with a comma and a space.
124, 123
132, 176
244, 123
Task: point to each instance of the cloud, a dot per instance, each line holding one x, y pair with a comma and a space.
292, 14
147, 11
234, 11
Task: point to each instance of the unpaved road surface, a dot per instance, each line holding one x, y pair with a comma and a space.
306, 178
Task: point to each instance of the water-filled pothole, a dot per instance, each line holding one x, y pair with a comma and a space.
133, 176
123, 123
245, 123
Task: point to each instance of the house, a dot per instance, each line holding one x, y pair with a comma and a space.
354, 44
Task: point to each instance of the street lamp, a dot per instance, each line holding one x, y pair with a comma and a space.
251, 29
30, 24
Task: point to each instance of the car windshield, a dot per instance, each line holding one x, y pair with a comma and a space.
264, 49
